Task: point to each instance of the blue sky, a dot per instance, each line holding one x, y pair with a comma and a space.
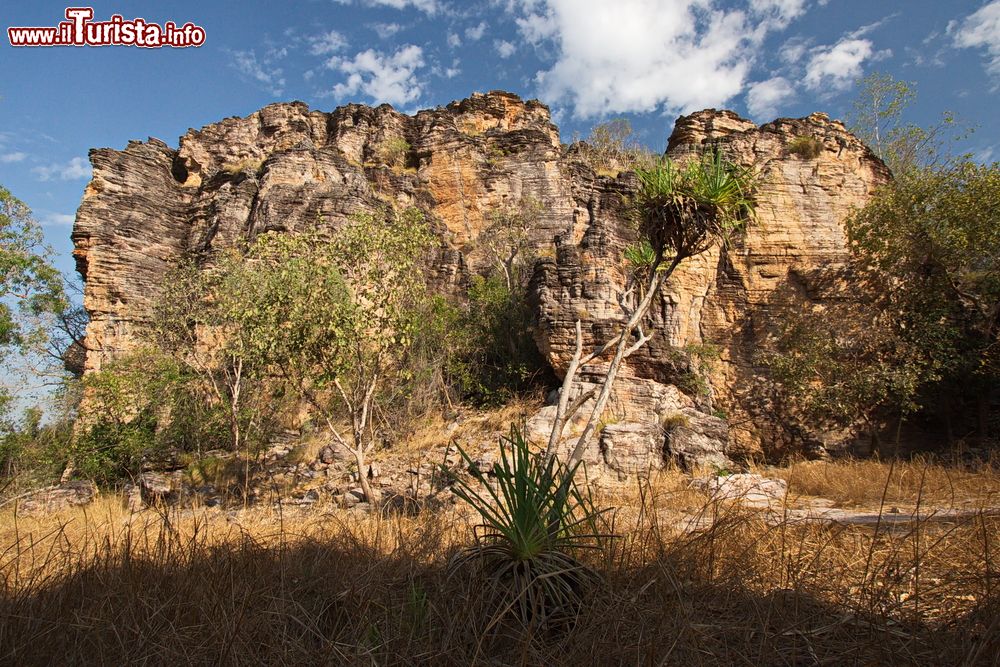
589, 60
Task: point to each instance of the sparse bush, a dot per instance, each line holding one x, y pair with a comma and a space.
806, 147
246, 165
393, 150
610, 150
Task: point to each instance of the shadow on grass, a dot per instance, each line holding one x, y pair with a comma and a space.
382, 596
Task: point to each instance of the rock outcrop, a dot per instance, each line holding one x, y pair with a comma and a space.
287, 167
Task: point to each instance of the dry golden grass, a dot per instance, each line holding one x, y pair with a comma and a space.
257, 587
904, 483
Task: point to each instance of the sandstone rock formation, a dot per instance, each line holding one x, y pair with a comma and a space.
287, 167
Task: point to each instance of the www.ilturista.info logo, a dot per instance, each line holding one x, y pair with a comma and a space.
80, 30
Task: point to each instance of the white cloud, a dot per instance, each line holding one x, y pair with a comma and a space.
537, 27
429, 7
75, 169
385, 30
791, 52
779, 12
454, 40
981, 30
326, 43
764, 99
504, 48
984, 155
263, 71
644, 55
58, 219
7, 158
475, 33
834, 68
384, 78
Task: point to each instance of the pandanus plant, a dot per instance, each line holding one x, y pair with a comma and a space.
535, 517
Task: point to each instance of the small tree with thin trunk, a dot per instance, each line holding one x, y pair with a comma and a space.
335, 315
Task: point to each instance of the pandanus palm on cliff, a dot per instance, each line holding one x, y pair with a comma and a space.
681, 210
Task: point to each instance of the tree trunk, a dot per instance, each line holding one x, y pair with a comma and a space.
366, 487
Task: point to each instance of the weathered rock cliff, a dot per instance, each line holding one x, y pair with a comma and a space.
286, 167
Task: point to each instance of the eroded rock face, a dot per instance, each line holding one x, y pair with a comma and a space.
287, 167
725, 297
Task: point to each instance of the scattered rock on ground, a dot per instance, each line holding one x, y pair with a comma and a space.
69, 494
747, 488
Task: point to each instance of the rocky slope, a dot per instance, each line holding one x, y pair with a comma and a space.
286, 167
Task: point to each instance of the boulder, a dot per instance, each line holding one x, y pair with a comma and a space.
697, 440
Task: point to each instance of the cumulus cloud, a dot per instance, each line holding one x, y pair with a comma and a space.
504, 48
326, 43
764, 99
779, 12
385, 30
792, 51
475, 33
382, 77
981, 30
75, 169
644, 55
834, 68
7, 158
263, 71
454, 40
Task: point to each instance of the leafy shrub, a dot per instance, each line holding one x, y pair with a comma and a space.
393, 151
684, 208
33, 448
808, 148
498, 357
107, 451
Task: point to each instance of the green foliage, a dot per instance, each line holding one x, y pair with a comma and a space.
684, 208
933, 237
808, 148
916, 325
877, 118
340, 307
496, 357
393, 150
535, 519
34, 448
125, 400
29, 284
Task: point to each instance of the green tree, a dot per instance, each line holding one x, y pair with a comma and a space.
929, 247
877, 118
29, 284
199, 323
914, 323
337, 315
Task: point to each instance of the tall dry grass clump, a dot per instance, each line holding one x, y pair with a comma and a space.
325, 587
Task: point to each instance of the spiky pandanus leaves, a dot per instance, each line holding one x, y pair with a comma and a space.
683, 209
534, 525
